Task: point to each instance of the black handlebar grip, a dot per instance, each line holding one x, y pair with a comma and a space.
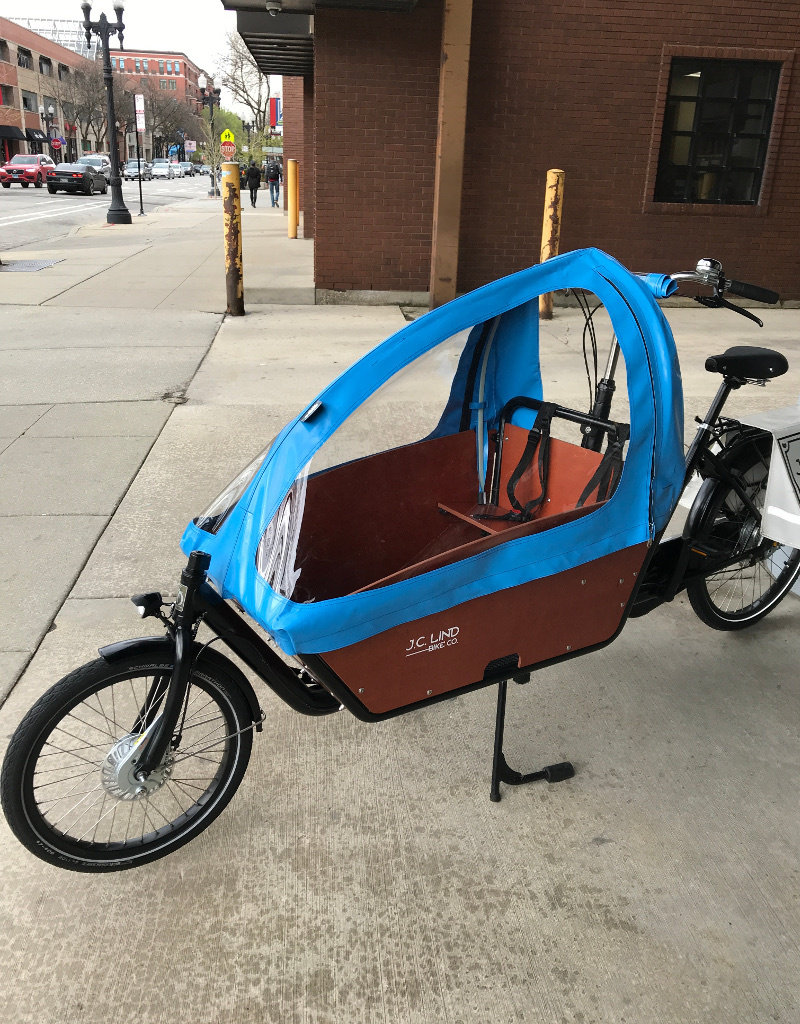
751, 291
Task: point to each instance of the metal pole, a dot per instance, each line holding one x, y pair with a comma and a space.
139, 167
118, 213
551, 231
232, 217
293, 197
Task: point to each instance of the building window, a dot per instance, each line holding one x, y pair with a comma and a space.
169, 67
45, 67
163, 83
177, 67
161, 67
30, 101
114, 62
122, 63
716, 131
63, 72
6, 96
173, 84
138, 64
144, 65
24, 58
4, 54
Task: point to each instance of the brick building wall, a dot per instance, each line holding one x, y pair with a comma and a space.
294, 147
576, 84
581, 86
376, 84
45, 87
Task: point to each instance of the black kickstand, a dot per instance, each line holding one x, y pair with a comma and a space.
500, 770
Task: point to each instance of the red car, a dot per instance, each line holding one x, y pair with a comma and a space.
26, 168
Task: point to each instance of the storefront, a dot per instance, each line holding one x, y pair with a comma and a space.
10, 139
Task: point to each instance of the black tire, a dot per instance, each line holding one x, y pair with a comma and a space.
101, 702
5, 184
24, 184
89, 187
744, 592
39, 182
52, 189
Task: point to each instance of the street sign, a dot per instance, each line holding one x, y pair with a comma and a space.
55, 143
228, 150
140, 121
139, 103
190, 146
227, 136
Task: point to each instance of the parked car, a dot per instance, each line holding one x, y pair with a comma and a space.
78, 177
99, 161
177, 168
188, 168
134, 168
162, 168
205, 169
26, 168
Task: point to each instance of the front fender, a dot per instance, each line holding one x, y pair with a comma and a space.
164, 647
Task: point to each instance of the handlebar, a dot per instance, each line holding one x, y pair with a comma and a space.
751, 291
709, 273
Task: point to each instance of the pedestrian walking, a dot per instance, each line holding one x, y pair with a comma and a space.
274, 178
253, 182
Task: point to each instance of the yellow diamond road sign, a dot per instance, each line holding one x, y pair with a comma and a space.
227, 136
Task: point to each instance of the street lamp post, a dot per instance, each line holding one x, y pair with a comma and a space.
118, 212
47, 120
209, 97
248, 128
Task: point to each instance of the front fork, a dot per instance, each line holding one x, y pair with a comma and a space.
185, 627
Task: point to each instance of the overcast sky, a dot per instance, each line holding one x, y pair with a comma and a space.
194, 27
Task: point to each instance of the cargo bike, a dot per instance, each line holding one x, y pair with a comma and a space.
432, 523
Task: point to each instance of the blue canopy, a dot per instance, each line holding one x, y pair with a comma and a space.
639, 508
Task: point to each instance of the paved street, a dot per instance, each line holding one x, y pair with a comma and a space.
361, 875
29, 215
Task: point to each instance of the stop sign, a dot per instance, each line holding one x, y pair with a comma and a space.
228, 149
55, 143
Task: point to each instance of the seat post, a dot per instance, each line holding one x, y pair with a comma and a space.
700, 441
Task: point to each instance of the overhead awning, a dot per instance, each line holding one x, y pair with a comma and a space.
34, 135
282, 41
283, 45
9, 131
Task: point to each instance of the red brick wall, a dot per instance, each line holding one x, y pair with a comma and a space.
308, 160
575, 84
376, 88
294, 133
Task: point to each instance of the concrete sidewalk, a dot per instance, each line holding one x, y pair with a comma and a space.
361, 874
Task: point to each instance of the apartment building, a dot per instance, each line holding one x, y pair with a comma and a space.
33, 71
174, 72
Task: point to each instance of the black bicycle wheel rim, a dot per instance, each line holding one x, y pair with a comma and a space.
749, 588
93, 833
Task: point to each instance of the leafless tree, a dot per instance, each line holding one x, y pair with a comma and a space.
248, 86
83, 93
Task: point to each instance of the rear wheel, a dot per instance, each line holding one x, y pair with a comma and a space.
69, 787
52, 189
89, 187
763, 571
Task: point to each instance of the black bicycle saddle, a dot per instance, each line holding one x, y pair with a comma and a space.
748, 363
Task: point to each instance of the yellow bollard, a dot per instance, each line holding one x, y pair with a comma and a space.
232, 215
551, 231
293, 197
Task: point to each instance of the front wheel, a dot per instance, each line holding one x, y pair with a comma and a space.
69, 786
762, 571
39, 181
